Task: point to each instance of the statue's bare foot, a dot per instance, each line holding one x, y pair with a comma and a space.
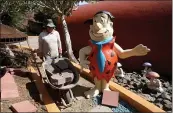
107, 89
92, 93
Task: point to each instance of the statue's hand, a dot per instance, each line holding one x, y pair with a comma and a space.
84, 64
140, 50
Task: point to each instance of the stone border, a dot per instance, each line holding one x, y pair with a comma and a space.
133, 99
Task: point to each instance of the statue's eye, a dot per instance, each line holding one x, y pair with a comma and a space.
102, 20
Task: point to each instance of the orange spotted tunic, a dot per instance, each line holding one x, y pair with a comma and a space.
108, 50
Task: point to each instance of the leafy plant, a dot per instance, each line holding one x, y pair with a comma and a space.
17, 9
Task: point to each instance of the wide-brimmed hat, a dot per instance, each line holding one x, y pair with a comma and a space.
50, 23
90, 21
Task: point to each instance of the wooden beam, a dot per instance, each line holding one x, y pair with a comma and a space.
133, 99
47, 100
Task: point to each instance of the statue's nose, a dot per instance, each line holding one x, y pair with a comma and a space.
98, 26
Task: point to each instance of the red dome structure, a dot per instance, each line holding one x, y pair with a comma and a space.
136, 22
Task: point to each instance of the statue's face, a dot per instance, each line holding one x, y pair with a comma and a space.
102, 27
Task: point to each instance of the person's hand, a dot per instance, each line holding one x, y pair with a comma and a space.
140, 50
84, 64
60, 55
34, 52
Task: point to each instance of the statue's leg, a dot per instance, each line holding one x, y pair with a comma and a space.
94, 91
105, 85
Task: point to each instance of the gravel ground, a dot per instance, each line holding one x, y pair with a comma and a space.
27, 91
81, 104
137, 84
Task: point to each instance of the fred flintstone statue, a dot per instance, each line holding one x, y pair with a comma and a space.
102, 53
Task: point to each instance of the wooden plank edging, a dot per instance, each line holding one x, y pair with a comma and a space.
47, 100
133, 99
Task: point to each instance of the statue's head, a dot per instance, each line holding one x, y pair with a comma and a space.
101, 26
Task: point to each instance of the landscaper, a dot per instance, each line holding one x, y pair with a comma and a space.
49, 42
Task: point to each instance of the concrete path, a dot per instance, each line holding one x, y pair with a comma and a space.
33, 42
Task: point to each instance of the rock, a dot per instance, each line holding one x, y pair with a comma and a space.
166, 96
128, 82
139, 91
131, 82
169, 89
166, 102
127, 78
128, 74
133, 90
125, 85
153, 95
134, 73
160, 89
159, 100
139, 76
137, 84
120, 80
148, 97
132, 79
159, 105
143, 79
131, 86
157, 95
124, 81
167, 107
166, 84
122, 84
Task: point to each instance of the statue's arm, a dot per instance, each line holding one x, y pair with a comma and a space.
139, 50
84, 52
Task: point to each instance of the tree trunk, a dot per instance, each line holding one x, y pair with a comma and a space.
68, 40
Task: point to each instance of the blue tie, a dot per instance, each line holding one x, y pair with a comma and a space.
101, 60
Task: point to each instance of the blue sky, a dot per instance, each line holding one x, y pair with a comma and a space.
82, 3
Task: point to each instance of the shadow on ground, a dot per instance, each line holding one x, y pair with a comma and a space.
33, 92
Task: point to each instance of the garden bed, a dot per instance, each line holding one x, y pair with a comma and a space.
81, 104
136, 83
25, 84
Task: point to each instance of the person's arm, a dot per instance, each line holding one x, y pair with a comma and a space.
59, 44
139, 50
